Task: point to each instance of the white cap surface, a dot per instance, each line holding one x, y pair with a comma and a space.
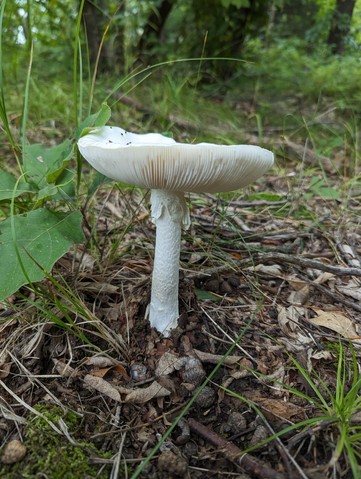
157, 162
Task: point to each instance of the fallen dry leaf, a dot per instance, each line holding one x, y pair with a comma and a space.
64, 369
169, 363
100, 361
352, 289
136, 396
216, 358
336, 321
279, 409
273, 269
288, 319
300, 296
141, 395
324, 277
102, 386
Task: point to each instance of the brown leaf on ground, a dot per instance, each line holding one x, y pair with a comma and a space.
279, 409
336, 321
142, 395
102, 386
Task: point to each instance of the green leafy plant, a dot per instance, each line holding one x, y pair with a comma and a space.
31, 243
318, 187
39, 207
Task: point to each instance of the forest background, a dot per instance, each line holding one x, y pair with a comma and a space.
280, 73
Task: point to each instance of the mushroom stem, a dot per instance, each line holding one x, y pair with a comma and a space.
169, 214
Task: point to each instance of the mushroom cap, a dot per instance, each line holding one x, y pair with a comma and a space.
157, 162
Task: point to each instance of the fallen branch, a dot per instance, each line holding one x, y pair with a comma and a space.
250, 464
258, 258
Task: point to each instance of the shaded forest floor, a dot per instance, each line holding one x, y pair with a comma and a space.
270, 305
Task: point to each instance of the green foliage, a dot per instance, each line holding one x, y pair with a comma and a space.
100, 118
318, 187
32, 237
44, 167
31, 243
10, 187
288, 69
51, 454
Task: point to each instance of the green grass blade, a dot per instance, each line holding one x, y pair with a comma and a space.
26, 101
76, 54
3, 111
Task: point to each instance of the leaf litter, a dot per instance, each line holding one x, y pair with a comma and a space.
289, 281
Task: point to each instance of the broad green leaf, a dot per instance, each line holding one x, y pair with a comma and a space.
40, 238
100, 118
328, 193
64, 184
8, 187
44, 165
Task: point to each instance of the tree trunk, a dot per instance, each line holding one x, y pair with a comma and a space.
153, 30
341, 24
96, 18
93, 21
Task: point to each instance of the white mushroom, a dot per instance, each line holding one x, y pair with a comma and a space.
170, 169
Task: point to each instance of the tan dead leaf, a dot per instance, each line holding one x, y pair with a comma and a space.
280, 409
295, 282
352, 289
324, 277
139, 396
288, 319
206, 357
98, 287
100, 373
336, 321
169, 363
5, 370
299, 296
273, 269
323, 354
100, 361
104, 365
102, 386
64, 369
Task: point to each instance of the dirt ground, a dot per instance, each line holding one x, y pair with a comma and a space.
273, 280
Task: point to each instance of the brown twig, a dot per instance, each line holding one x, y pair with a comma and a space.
337, 297
250, 464
299, 261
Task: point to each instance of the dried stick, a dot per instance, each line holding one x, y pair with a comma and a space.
251, 465
258, 258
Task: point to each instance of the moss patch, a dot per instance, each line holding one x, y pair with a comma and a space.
50, 454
